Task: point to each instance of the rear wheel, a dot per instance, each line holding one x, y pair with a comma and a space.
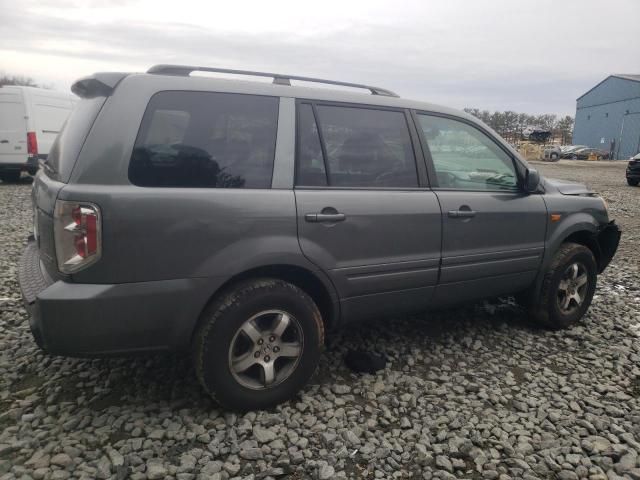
632, 182
258, 345
567, 289
554, 156
12, 176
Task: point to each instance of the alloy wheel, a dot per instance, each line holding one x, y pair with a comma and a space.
573, 287
266, 349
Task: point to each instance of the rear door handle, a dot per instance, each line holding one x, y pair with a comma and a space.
325, 217
4, 141
462, 213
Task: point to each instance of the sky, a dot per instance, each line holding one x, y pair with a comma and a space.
534, 56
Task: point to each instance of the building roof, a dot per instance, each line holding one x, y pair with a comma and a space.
626, 76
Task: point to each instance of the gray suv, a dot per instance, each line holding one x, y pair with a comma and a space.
241, 220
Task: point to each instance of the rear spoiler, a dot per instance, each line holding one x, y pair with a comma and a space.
97, 85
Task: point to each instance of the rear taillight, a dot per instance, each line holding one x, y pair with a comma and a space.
77, 235
32, 144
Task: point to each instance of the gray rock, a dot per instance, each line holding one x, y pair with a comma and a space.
156, 470
61, 459
263, 435
340, 389
444, 462
627, 462
351, 438
251, 453
325, 472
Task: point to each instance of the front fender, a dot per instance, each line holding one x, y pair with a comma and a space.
571, 224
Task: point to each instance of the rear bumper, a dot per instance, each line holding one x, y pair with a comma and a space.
96, 320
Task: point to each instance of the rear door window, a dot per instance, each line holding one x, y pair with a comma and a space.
206, 140
344, 146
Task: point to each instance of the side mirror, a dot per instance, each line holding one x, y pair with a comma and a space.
532, 180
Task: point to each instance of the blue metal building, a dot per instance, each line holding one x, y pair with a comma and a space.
608, 116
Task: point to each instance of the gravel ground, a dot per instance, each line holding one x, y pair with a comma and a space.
473, 393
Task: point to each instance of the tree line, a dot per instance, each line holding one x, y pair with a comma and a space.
511, 125
18, 80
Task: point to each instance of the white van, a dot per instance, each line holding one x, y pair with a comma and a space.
30, 120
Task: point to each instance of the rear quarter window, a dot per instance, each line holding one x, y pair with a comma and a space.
206, 140
66, 147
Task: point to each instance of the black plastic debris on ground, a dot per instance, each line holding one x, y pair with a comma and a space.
365, 362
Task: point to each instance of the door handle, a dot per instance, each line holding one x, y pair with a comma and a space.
462, 213
325, 217
4, 141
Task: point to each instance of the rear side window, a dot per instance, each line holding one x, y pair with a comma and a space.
206, 140
66, 147
359, 147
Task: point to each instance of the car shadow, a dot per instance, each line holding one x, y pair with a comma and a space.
168, 382
23, 180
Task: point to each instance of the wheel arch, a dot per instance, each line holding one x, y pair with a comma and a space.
588, 239
313, 283
581, 228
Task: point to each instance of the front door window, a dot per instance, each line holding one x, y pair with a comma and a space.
465, 158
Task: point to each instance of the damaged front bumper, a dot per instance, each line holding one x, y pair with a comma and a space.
607, 238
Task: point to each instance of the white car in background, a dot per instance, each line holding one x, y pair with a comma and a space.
552, 152
30, 120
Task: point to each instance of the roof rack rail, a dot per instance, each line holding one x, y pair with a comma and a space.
278, 78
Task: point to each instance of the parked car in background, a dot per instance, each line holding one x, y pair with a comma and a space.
586, 153
633, 171
30, 120
567, 151
552, 152
241, 220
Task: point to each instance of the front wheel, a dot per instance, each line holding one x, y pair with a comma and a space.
632, 182
258, 345
567, 289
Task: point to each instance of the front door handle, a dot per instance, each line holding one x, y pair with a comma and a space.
462, 213
4, 141
325, 217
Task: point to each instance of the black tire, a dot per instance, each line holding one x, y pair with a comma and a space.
547, 311
632, 183
218, 332
11, 176
554, 156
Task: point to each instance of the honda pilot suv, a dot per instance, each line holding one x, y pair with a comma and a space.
242, 220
